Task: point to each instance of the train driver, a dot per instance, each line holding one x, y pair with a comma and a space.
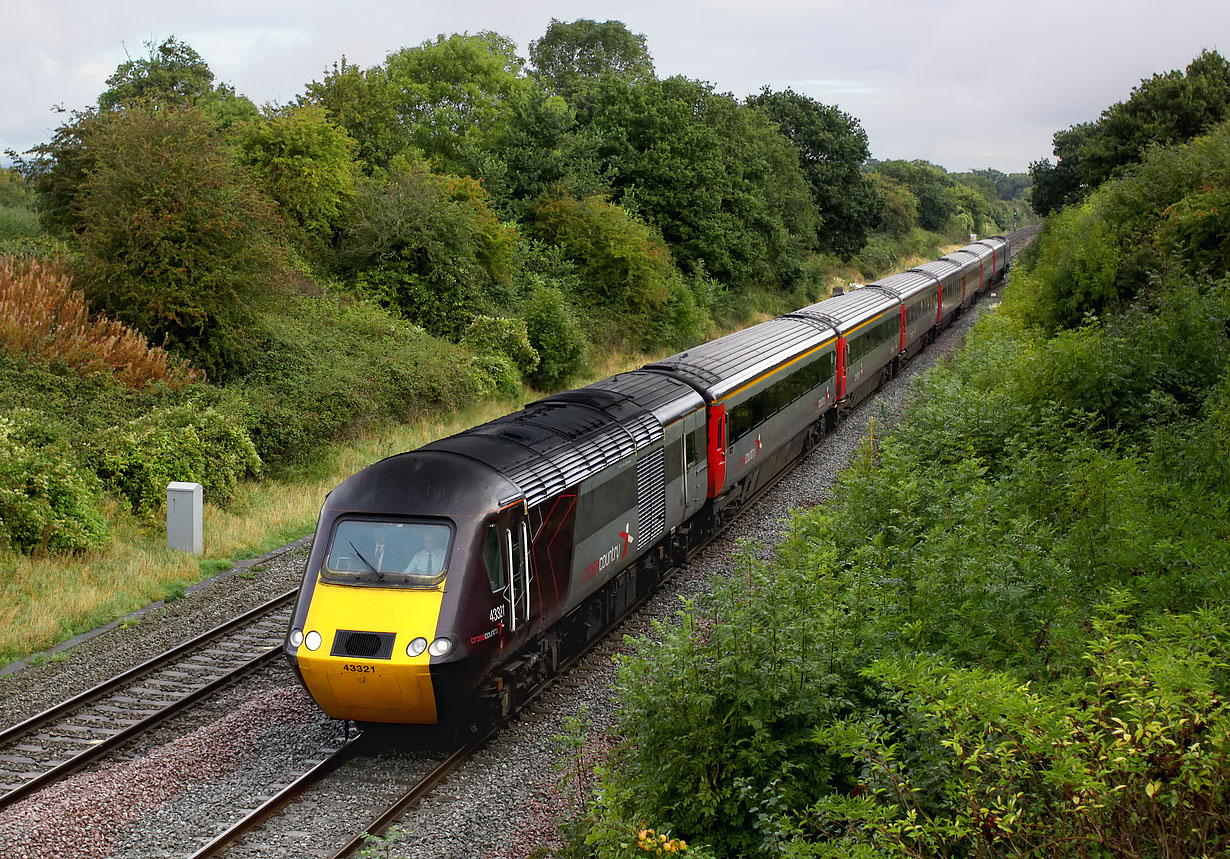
430, 559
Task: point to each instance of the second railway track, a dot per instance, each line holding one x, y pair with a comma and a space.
81, 730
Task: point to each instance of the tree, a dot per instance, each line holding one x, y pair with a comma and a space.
361, 102
306, 163
427, 246
14, 190
900, 212
623, 265
569, 54
539, 150
173, 73
175, 239
931, 186
832, 146
1165, 109
715, 178
453, 94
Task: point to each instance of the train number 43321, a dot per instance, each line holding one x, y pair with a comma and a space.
361, 669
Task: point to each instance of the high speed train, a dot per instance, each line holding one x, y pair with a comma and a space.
445, 581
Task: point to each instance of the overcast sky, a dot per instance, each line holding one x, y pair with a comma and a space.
964, 84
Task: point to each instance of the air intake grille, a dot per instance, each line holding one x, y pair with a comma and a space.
651, 498
363, 645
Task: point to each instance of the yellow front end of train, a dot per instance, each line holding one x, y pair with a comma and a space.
365, 646
392, 688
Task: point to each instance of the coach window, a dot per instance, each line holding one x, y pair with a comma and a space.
493, 561
674, 460
695, 443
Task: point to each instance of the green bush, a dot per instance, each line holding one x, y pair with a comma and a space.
428, 247
327, 368
497, 376
624, 265
1132, 761
503, 356
877, 257
184, 442
18, 222
682, 322
176, 241
47, 503
556, 336
507, 338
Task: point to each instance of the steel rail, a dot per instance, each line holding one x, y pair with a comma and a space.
135, 673
98, 693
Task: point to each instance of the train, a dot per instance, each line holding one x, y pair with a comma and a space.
445, 582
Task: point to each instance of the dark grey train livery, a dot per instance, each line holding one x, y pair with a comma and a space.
445, 579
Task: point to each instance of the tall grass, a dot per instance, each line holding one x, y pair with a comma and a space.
43, 316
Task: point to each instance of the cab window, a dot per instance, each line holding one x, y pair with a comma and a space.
375, 552
493, 560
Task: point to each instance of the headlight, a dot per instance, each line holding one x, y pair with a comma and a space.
312, 640
416, 647
296, 637
440, 647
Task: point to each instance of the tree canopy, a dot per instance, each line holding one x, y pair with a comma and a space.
832, 147
569, 54
1164, 109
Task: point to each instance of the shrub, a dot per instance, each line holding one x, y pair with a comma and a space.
47, 503
681, 322
1133, 761
184, 442
556, 337
497, 375
43, 317
378, 368
509, 338
503, 354
175, 239
18, 222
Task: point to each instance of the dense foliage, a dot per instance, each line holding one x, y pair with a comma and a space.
1006, 633
1164, 109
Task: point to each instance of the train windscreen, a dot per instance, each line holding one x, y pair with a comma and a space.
366, 551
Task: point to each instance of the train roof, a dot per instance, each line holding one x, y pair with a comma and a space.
847, 312
720, 366
421, 483
668, 398
943, 268
556, 443
979, 250
906, 284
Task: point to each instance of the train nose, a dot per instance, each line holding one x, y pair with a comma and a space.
360, 675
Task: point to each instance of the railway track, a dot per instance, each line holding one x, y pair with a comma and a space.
65, 738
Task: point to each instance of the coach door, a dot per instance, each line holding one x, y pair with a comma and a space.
695, 463
517, 594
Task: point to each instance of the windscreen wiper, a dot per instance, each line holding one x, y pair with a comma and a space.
370, 565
